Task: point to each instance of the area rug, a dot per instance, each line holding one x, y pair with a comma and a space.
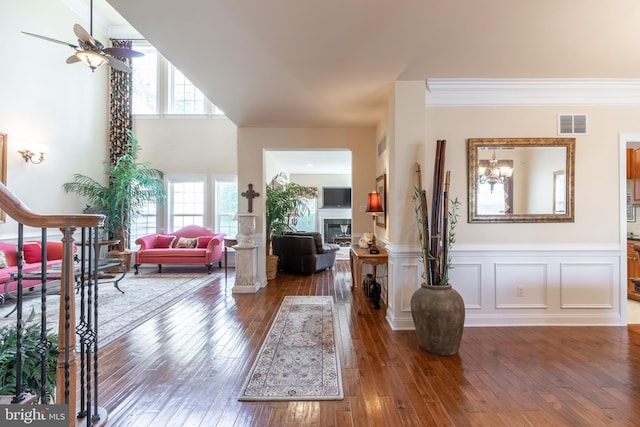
298, 359
146, 295
343, 253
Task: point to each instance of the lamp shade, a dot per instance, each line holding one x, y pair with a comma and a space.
374, 205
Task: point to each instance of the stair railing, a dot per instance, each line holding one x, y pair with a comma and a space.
76, 273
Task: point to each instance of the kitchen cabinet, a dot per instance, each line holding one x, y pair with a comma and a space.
633, 269
635, 177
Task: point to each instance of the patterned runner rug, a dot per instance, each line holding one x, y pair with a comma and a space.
298, 359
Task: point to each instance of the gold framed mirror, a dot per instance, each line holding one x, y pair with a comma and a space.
521, 179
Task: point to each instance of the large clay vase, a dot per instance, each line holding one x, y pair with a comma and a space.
438, 315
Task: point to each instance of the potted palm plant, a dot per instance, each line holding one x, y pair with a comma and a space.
284, 203
131, 185
437, 309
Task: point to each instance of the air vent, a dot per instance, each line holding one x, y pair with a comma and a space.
572, 124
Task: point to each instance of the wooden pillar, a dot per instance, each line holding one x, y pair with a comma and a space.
67, 340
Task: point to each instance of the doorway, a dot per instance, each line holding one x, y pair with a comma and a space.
330, 168
630, 226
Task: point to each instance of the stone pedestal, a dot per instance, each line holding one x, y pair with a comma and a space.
247, 281
246, 228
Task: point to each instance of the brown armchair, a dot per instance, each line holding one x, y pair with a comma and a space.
303, 252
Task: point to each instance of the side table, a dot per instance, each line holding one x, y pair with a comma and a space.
358, 257
228, 242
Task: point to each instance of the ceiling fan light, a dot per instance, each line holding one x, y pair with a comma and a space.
92, 59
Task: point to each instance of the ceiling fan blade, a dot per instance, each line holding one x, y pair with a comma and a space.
117, 64
83, 35
72, 59
50, 39
122, 52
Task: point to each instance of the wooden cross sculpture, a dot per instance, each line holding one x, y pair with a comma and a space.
250, 194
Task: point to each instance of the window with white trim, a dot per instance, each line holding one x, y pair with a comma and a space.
144, 75
186, 203
226, 205
145, 223
160, 88
184, 97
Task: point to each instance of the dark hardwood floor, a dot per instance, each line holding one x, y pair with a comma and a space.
185, 367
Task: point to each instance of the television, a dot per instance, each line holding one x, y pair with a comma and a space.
336, 197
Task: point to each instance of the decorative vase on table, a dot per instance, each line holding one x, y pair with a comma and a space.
437, 309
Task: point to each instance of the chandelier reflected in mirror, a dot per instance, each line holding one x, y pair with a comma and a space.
494, 173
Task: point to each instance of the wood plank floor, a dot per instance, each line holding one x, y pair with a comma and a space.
186, 366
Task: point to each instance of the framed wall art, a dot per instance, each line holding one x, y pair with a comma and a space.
381, 187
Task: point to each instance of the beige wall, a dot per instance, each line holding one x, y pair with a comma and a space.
596, 170
361, 141
189, 146
48, 102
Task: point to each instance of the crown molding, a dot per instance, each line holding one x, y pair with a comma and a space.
531, 92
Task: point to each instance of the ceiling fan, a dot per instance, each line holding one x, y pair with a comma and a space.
91, 51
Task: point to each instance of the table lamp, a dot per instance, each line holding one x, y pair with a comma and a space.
374, 207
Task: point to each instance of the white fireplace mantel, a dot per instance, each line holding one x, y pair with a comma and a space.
330, 213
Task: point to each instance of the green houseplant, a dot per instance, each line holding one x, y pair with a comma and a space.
131, 185
437, 309
284, 203
31, 361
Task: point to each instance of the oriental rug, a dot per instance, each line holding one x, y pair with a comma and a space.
298, 359
146, 295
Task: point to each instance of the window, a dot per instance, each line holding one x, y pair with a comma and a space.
226, 205
145, 81
184, 97
160, 88
307, 222
186, 204
145, 223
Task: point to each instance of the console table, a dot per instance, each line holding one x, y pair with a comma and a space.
358, 257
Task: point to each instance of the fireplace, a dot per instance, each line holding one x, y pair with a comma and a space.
332, 228
330, 220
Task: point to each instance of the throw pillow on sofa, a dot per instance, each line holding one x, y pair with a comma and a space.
187, 243
3, 260
164, 241
203, 241
32, 252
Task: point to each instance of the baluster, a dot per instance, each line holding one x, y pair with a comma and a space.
19, 396
96, 414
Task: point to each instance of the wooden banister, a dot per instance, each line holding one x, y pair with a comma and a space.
22, 214
66, 386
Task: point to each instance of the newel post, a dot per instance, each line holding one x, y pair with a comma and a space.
66, 378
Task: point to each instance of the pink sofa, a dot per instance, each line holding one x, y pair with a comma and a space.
189, 245
31, 262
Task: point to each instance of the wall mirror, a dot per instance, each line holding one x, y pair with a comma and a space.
521, 179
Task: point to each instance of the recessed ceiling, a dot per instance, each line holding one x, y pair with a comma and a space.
333, 63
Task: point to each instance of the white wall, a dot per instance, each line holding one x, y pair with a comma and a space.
48, 102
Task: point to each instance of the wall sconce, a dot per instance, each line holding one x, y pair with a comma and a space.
27, 155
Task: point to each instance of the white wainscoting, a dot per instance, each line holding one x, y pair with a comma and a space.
517, 285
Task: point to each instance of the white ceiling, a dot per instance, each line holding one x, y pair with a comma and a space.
292, 63
312, 162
